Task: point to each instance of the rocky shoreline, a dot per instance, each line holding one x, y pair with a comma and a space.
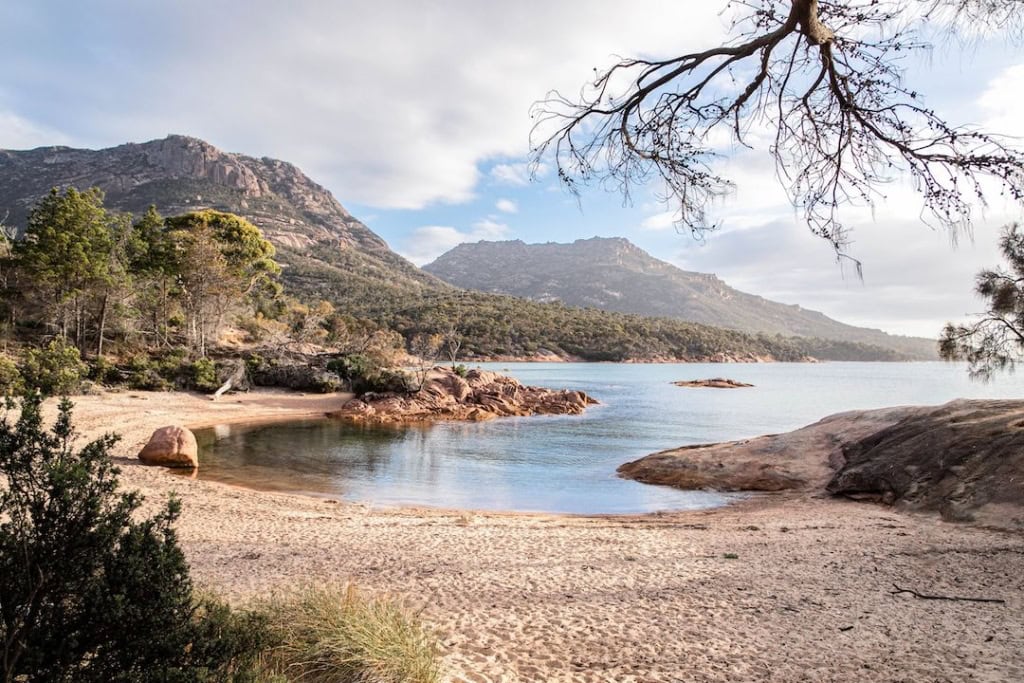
476, 395
964, 459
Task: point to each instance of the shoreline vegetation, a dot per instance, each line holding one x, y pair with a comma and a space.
789, 583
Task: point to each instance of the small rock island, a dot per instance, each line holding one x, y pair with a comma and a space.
474, 395
713, 383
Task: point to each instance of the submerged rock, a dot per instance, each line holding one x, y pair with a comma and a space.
171, 446
479, 395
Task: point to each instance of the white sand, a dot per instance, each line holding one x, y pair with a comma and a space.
642, 598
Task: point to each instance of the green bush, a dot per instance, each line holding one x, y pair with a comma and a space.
103, 371
203, 375
55, 369
145, 374
90, 592
10, 379
329, 635
354, 367
460, 370
365, 374
391, 380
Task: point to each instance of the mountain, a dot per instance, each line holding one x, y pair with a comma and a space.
316, 237
613, 274
326, 253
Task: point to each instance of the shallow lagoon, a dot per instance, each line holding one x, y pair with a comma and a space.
567, 464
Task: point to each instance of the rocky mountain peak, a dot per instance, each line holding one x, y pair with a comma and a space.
181, 173
179, 156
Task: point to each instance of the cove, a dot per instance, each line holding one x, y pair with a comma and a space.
566, 464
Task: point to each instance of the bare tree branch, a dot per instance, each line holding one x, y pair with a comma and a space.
826, 77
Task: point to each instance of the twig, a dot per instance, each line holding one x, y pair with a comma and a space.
944, 597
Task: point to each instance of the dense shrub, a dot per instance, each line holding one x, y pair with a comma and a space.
11, 382
390, 380
327, 635
353, 367
290, 373
203, 375
365, 373
89, 592
144, 374
102, 371
55, 369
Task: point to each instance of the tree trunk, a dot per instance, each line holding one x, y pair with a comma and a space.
806, 13
78, 323
161, 326
102, 324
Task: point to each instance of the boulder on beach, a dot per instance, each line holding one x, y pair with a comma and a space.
171, 446
713, 383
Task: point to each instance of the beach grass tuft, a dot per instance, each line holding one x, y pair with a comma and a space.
338, 634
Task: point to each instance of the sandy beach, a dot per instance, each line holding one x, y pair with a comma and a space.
777, 588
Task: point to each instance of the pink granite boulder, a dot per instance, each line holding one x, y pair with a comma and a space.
171, 446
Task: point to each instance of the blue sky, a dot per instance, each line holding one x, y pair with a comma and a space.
415, 115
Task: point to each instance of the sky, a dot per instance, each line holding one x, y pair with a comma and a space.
416, 116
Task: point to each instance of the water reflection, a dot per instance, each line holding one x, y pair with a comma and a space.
500, 465
312, 456
567, 463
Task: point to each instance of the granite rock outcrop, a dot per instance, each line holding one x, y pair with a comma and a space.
479, 395
964, 460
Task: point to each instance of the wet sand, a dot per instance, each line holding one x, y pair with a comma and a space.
780, 588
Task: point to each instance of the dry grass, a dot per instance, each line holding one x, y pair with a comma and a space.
338, 635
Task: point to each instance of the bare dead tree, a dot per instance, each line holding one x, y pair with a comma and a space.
451, 341
824, 78
424, 349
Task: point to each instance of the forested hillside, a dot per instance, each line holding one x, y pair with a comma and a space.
339, 285
615, 275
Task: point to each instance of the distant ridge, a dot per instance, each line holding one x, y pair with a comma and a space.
614, 274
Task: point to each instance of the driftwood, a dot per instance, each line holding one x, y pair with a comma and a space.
951, 598
236, 377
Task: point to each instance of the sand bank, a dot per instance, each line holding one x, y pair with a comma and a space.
783, 588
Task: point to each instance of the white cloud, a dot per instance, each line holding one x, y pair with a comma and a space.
914, 279
19, 133
506, 206
660, 221
519, 173
389, 104
511, 174
430, 241
1003, 102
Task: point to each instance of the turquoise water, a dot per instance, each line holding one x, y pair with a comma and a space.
567, 463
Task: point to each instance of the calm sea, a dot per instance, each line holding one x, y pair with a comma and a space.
567, 463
